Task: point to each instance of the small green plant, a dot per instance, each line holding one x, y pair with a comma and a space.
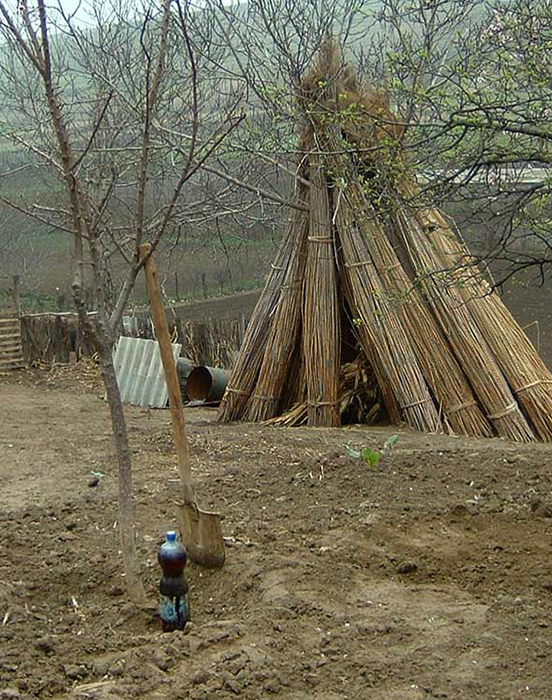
373, 457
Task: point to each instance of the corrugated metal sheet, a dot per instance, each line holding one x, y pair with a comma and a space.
140, 372
11, 352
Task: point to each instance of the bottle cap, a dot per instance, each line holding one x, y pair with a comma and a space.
171, 536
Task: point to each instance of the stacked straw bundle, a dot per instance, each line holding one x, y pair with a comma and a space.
448, 384
381, 334
248, 364
283, 334
321, 316
438, 347
465, 337
526, 373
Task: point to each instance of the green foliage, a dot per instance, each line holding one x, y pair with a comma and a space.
471, 81
371, 457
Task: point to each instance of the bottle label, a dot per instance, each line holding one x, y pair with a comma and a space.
174, 611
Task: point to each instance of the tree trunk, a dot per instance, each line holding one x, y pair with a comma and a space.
126, 499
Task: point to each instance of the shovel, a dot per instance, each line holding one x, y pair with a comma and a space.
201, 531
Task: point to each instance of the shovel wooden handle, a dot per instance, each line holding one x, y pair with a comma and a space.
169, 368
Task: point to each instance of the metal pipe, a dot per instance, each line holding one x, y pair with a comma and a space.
183, 369
207, 384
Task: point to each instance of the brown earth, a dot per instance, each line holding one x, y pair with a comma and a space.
532, 307
428, 578
227, 307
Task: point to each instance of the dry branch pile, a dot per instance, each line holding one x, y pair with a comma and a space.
432, 344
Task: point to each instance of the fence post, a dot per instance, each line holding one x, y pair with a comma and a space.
17, 294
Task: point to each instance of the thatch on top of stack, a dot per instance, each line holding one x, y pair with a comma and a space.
364, 262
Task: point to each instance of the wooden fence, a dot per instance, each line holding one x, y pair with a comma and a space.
213, 342
50, 338
10, 341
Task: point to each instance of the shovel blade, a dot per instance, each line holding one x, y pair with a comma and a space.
202, 536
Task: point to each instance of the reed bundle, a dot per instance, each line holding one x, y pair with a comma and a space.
284, 334
248, 364
433, 353
527, 375
440, 368
379, 328
370, 299
321, 312
463, 333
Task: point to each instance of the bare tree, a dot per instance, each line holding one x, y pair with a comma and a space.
151, 120
118, 107
470, 82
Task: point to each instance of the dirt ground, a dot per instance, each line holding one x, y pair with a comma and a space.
226, 307
429, 578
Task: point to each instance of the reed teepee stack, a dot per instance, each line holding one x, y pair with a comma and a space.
371, 294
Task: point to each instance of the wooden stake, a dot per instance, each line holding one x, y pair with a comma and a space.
17, 294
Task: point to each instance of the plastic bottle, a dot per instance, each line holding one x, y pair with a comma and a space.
174, 606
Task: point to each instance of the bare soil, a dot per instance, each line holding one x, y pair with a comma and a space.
531, 305
428, 578
227, 307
